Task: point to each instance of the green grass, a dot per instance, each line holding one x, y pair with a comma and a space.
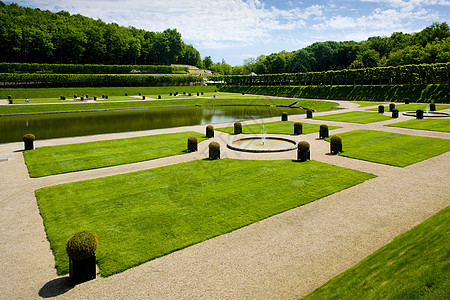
391, 148
364, 103
280, 127
355, 117
412, 107
44, 161
425, 124
144, 215
415, 265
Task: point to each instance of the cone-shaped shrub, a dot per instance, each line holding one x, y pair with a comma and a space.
28, 140
214, 150
432, 107
406, 100
298, 128
323, 131
284, 116
192, 144
209, 131
419, 114
395, 113
335, 144
303, 152
237, 128
81, 251
380, 109
391, 106
309, 114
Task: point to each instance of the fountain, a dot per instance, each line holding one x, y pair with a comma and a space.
428, 114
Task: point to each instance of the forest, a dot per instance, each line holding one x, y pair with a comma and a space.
34, 36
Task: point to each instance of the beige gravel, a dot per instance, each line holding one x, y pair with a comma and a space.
283, 257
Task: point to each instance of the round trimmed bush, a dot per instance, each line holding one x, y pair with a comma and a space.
303, 146
237, 128
419, 114
62, 98
309, 114
303, 152
284, 116
192, 144
323, 131
406, 100
209, 131
298, 128
214, 150
28, 140
391, 106
335, 144
395, 113
159, 96
82, 245
432, 107
380, 109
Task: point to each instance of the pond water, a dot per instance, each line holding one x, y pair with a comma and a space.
79, 124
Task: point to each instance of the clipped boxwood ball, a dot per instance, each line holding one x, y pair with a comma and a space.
82, 245
335, 139
214, 146
303, 146
209, 131
29, 137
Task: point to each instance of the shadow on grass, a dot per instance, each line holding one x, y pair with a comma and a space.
56, 287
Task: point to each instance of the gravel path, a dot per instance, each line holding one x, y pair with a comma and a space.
282, 257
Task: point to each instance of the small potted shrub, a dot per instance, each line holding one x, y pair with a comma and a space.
395, 113
303, 152
432, 107
284, 116
323, 131
237, 128
380, 109
192, 144
28, 140
419, 114
209, 131
335, 144
81, 251
406, 100
214, 150
298, 128
309, 114
391, 106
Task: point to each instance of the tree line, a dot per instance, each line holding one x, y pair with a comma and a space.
33, 36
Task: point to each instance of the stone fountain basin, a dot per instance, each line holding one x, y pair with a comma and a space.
256, 144
429, 114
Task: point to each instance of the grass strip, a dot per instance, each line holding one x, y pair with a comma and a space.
393, 149
280, 127
44, 161
144, 215
415, 265
425, 124
360, 117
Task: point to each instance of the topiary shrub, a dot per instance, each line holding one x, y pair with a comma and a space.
106, 96
9, 97
432, 107
95, 98
284, 116
419, 114
335, 144
303, 151
10, 101
190, 94
198, 94
170, 94
75, 96
214, 150
81, 251
395, 113
126, 94
159, 96
209, 131
140, 94
381, 109
202, 93
298, 128
192, 144
391, 106
406, 100
323, 131
237, 128
309, 114
143, 97
87, 96
28, 140
62, 98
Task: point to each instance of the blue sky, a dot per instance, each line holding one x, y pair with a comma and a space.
235, 30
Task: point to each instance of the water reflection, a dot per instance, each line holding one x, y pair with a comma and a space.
79, 124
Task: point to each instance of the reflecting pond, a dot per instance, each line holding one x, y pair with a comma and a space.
12, 128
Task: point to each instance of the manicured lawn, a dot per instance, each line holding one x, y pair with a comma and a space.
425, 124
391, 148
356, 117
368, 103
281, 127
144, 215
415, 265
44, 161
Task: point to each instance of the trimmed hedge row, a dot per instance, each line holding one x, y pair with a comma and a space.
89, 69
91, 80
438, 93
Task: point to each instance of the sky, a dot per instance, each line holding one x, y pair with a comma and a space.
236, 30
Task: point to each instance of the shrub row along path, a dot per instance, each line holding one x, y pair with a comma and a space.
283, 257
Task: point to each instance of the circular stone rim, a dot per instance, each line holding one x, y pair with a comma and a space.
233, 147
436, 114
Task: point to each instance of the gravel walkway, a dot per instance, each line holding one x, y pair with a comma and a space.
282, 257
